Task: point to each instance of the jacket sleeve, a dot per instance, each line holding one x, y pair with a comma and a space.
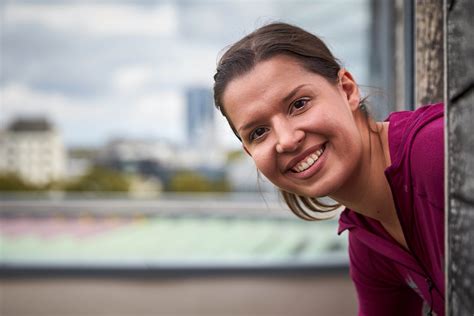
380, 289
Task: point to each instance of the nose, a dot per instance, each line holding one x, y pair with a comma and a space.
288, 136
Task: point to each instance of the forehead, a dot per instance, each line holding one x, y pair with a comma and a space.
266, 84
266, 75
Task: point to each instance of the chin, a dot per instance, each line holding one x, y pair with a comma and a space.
319, 189
306, 192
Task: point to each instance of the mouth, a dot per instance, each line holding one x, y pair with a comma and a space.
308, 160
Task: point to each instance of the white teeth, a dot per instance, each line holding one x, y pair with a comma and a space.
309, 161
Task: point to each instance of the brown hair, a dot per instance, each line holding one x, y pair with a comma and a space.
263, 44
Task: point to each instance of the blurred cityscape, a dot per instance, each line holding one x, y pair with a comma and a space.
33, 157
109, 137
107, 200
108, 130
113, 158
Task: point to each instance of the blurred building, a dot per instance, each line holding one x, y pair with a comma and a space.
79, 161
159, 160
34, 150
130, 149
200, 117
149, 159
243, 176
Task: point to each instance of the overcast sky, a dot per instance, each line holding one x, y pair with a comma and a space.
102, 69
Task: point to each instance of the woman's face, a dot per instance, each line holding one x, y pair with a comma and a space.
299, 128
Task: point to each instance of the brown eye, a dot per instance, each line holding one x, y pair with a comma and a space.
257, 133
299, 104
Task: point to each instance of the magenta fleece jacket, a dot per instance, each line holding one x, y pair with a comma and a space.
389, 279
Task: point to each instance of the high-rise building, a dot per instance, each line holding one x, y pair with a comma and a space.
200, 116
32, 149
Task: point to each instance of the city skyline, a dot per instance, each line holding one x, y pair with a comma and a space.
102, 70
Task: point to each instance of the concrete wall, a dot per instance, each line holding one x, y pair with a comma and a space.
460, 186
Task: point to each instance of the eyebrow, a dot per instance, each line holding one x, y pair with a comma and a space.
292, 93
286, 99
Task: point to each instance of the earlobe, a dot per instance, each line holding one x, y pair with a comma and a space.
350, 88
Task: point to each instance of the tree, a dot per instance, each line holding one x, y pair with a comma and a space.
191, 181
100, 179
12, 182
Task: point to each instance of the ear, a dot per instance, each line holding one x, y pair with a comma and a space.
246, 150
349, 88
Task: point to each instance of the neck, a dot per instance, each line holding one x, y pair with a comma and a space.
368, 192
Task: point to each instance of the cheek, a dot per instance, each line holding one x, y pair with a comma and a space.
265, 162
349, 153
340, 125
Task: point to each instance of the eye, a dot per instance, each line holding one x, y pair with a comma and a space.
298, 105
257, 133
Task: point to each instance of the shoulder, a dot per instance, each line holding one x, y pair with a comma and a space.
426, 156
427, 149
416, 142
406, 126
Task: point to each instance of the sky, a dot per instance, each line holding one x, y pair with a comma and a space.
104, 69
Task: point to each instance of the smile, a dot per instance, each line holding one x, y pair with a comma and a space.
308, 161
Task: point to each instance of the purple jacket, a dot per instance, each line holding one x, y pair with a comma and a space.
390, 280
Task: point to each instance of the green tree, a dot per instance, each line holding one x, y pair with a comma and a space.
191, 181
13, 182
100, 179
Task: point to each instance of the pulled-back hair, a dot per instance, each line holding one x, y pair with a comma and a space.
263, 44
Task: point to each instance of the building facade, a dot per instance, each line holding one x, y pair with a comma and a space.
32, 149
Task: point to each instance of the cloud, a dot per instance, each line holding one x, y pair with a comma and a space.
154, 115
120, 67
131, 78
18, 100
97, 19
223, 21
88, 66
158, 113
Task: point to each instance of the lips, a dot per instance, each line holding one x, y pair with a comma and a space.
306, 159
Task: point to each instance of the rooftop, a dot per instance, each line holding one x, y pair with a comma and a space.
30, 125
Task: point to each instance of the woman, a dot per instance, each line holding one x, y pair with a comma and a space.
301, 118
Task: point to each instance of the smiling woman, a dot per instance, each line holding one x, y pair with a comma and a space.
301, 118
277, 106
